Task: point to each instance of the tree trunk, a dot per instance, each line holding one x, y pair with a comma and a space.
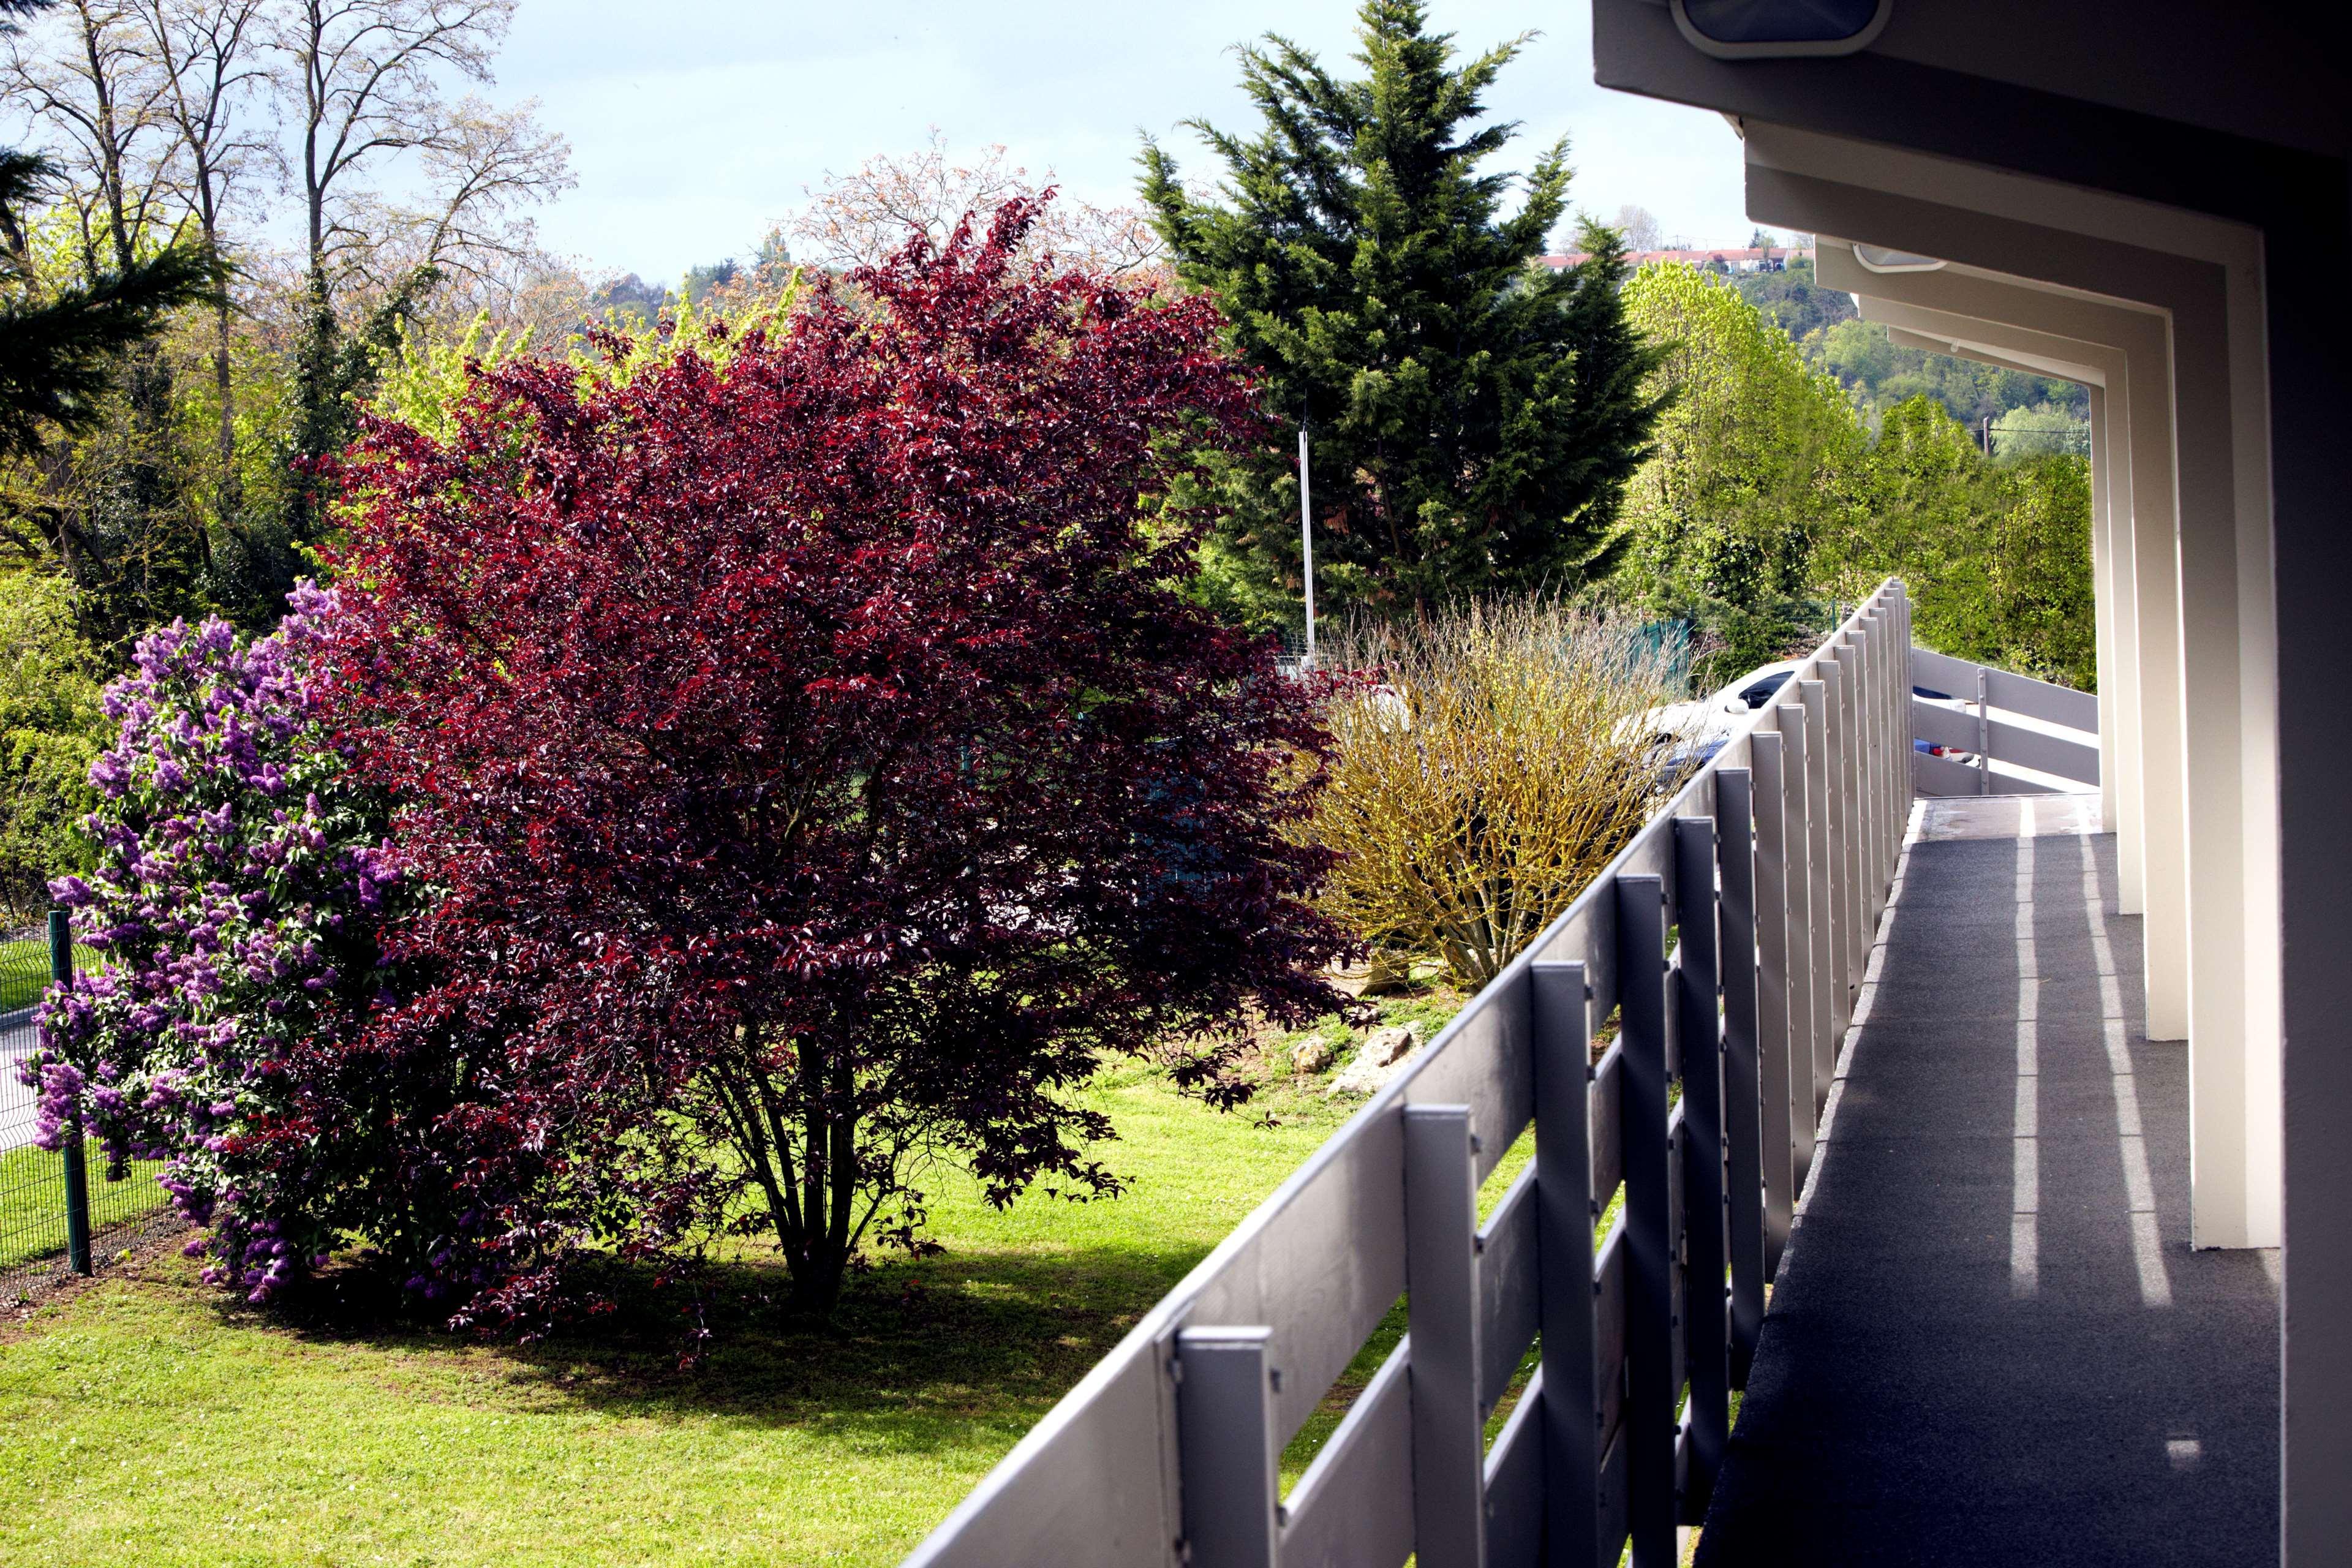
230, 503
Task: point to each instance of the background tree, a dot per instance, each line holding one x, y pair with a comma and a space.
58, 343
859, 218
1371, 277
1796, 304
1639, 228
1755, 458
208, 54
825, 732
50, 732
1998, 552
96, 94
1878, 373
360, 81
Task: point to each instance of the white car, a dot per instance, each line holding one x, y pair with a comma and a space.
1703, 726
1697, 731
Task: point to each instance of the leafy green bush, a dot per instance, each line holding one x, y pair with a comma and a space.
51, 730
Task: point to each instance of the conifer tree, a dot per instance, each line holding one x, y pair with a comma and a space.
1473, 415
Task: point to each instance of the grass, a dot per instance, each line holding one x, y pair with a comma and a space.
148, 1420
24, 970
33, 1200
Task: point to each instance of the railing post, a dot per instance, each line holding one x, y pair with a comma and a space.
1224, 1434
1897, 750
1779, 979
61, 971
1449, 1432
1743, 1096
1565, 1216
1846, 823
1984, 736
1873, 799
1706, 1330
1821, 902
1864, 819
1897, 782
1650, 1391
1902, 723
1862, 727
1841, 890
1874, 775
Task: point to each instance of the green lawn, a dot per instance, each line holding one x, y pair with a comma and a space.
148, 1422
24, 970
33, 1200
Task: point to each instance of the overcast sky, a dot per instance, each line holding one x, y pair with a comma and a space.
694, 124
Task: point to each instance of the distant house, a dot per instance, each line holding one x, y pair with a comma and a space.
1721, 258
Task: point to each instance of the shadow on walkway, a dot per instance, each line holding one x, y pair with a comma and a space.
1990, 1343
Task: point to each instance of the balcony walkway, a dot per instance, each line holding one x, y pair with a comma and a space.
1988, 1342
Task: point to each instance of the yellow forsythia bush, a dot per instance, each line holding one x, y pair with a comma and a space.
1497, 764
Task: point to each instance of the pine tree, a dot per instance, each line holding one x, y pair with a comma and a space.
1473, 415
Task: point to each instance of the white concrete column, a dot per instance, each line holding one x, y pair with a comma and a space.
2191, 528
2102, 598
2103, 371
2010, 321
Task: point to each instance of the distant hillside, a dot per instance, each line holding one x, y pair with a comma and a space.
1878, 374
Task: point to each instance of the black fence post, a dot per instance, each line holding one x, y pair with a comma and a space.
61, 970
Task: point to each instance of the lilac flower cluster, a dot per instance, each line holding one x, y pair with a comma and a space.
240, 879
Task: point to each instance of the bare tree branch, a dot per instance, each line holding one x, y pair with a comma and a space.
358, 82
86, 77
855, 219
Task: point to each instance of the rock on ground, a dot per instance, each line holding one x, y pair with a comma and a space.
1384, 1056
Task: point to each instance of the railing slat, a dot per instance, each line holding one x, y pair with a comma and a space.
1898, 697
1743, 1097
1326, 1265
1514, 1485
1354, 1504
1649, 1219
1564, 1254
1846, 838
1678, 1277
1608, 1298
1779, 991
1510, 1284
1608, 1126
1820, 904
1225, 1432
1616, 1507
1449, 1436
1489, 1067
1860, 697
1706, 1320
1940, 778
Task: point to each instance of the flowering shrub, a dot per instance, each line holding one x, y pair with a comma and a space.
240, 878
246, 901
815, 752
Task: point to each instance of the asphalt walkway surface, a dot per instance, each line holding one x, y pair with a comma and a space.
1988, 1342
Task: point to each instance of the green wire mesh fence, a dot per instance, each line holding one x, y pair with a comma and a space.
37, 1195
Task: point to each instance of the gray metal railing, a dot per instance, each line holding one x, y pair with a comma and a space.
1772, 865
1953, 704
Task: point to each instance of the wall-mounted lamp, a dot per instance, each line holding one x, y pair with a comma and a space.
1878, 259
1779, 29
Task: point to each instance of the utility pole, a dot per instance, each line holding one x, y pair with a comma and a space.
1307, 542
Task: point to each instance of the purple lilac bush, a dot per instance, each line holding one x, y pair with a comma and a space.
240, 883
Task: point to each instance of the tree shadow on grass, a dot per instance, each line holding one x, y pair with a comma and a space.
920, 1355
